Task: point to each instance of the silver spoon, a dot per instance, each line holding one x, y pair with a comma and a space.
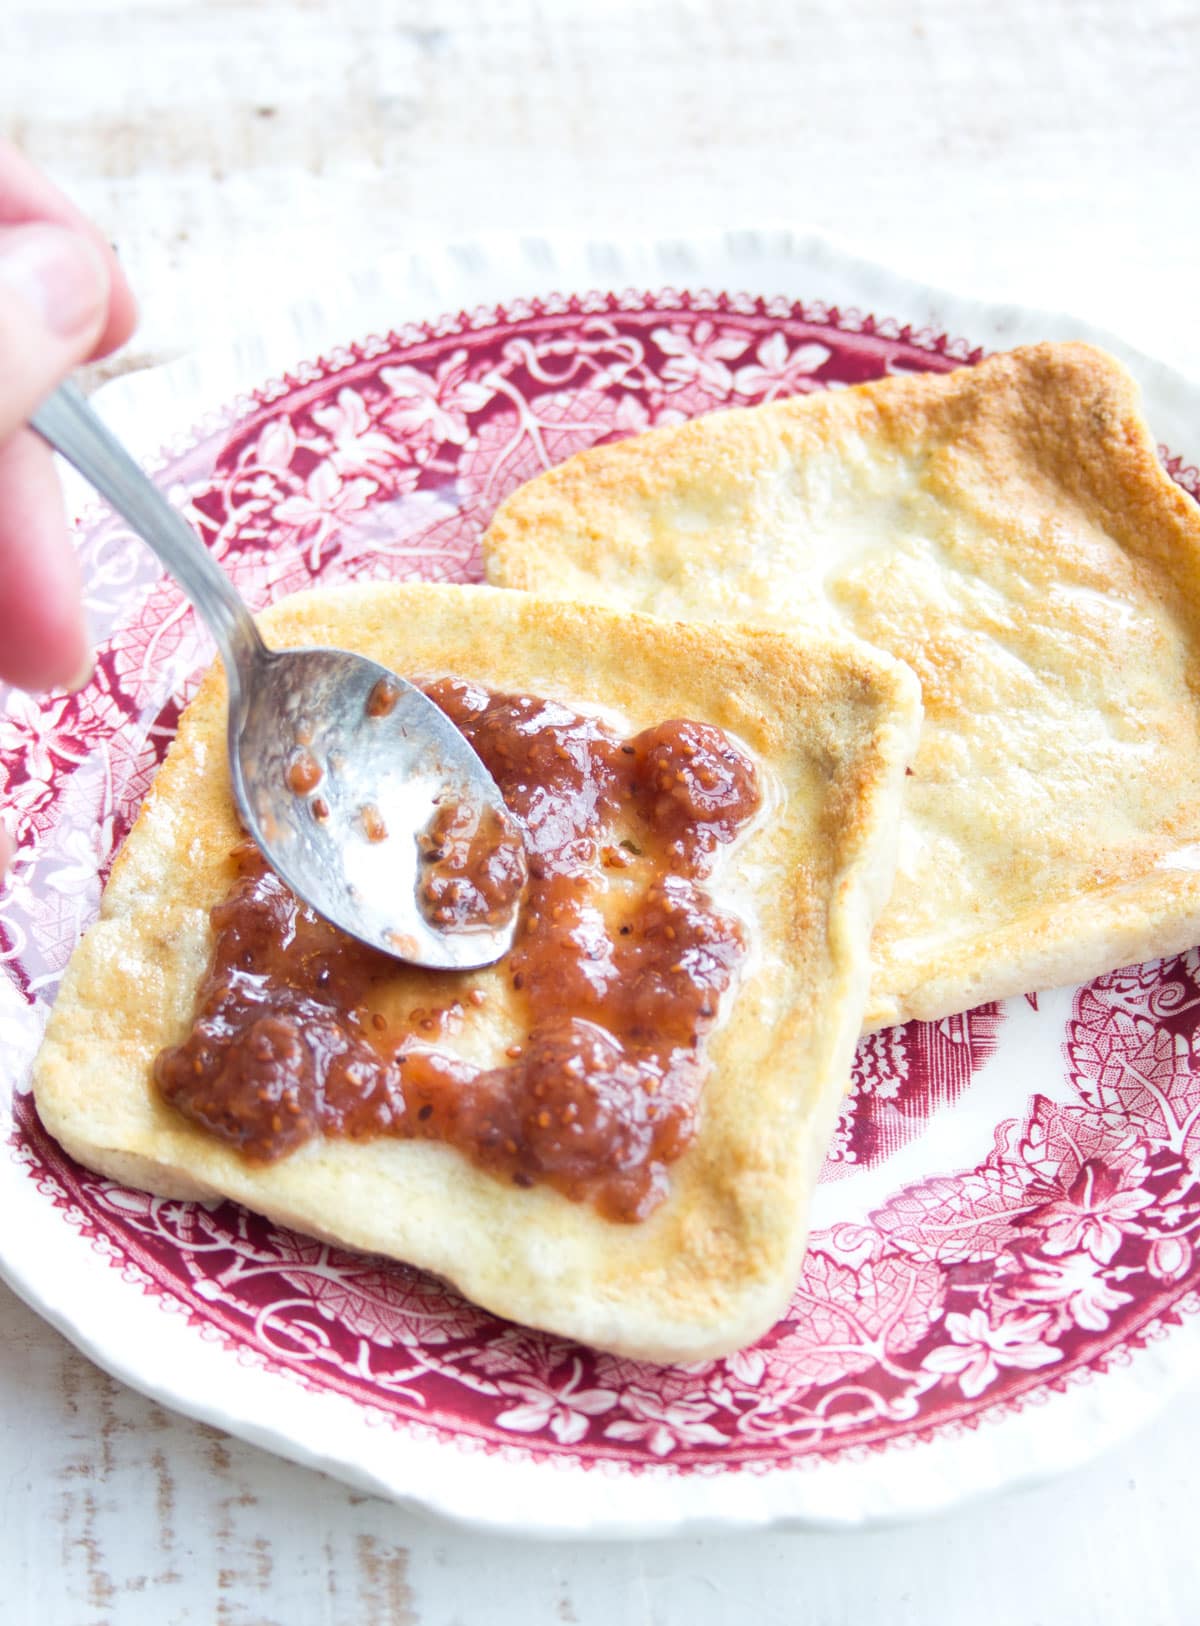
338, 765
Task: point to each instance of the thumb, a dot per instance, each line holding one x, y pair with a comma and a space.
54, 291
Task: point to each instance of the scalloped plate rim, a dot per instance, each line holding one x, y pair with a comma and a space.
691, 1505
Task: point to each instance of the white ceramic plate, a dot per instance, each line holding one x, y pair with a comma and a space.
1001, 1277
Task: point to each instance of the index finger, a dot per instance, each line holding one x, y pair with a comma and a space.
25, 195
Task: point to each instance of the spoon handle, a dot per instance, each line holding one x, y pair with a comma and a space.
69, 425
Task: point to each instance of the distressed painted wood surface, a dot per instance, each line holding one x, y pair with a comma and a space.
1044, 151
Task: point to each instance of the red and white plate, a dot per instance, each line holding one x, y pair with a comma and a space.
1002, 1273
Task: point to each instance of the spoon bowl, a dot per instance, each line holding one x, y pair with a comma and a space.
337, 791
340, 768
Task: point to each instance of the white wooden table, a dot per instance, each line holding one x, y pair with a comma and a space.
1043, 151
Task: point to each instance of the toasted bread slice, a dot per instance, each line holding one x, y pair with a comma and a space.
830, 727
1008, 532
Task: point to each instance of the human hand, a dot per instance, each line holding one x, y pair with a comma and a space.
63, 300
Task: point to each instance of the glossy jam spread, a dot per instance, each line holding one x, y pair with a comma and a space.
381, 701
618, 966
473, 867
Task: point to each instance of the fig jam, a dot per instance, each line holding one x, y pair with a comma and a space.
618, 967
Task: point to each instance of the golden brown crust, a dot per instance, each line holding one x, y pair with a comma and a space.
832, 726
1009, 533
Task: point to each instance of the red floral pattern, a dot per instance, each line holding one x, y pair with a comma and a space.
901, 1076
1065, 1240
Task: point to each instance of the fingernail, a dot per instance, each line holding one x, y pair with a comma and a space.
57, 272
84, 675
